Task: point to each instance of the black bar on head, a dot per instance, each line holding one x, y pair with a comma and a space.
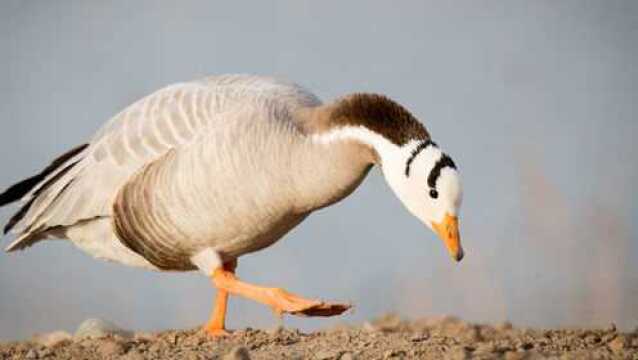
422, 146
444, 161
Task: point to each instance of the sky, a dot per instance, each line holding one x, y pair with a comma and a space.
536, 101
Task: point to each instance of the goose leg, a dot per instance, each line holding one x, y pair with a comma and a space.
278, 299
217, 324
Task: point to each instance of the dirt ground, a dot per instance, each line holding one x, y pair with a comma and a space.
384, 338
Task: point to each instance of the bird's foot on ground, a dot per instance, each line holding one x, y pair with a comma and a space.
216, 332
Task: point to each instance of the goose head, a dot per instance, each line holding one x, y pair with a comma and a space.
427, 182
423, 177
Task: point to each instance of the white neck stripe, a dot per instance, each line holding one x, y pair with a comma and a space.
386, 150
359, 133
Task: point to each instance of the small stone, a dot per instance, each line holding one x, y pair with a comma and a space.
32, 354
52, 339
419, 337
592, 339
526, 346
369, 327
195, 340
393, 353
144, 336
618, 344
484, 349
277, 330
325, 355
388, 323
472, 334
189, 355
172, 339
346, 356
132, 355
155, 347
97, 328
458, 354
239, 353
45, 352
504, 326
110, 347
534, 355
513, 355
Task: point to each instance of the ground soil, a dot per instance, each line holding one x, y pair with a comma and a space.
385, 338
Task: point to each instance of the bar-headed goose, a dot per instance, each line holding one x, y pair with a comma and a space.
199, 173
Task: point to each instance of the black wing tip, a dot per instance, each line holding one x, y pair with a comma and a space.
15, 219
17, 191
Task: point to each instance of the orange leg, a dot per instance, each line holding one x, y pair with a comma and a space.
279, 300
217, 324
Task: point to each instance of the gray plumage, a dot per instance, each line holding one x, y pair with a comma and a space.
226, 163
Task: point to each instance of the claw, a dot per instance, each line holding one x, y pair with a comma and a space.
324, 310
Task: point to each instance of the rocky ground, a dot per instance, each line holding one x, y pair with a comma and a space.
385, 338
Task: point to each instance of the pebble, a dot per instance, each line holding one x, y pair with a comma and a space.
32, 354
394, 353
347, 356
109, 347
190, 355
132, 355
145, 336
52, 339
172, 339
504, 326
277, 330
325, 355
472, 334
419, 337
44, 353
618, 344
155, 347
458, 353
369, 327
194, 340
526, 346
513, 355
484, 348
97, 328
594, 339
239, 353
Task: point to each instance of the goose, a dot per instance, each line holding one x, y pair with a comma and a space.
199, 173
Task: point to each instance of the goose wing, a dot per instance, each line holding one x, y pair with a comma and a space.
82, 184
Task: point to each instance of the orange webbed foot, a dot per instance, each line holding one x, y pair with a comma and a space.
285, 302
280, 300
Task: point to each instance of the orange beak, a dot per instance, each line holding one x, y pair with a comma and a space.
448, 231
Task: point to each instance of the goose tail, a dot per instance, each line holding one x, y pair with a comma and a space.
28, 190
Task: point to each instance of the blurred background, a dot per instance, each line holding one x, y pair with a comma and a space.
536, 101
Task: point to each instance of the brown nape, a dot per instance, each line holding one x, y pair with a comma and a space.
379, 114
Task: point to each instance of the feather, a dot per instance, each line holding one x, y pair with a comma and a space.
19, 190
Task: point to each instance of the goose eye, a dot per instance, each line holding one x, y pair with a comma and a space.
434, 194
